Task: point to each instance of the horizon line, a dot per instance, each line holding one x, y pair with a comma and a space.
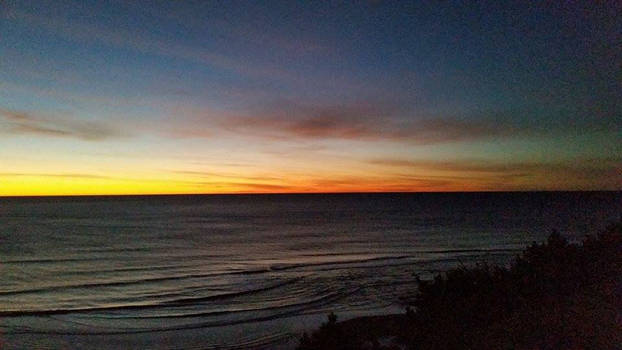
291, 193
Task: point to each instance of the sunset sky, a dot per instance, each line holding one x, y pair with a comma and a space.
136, 97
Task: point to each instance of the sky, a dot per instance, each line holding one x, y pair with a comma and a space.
163, 97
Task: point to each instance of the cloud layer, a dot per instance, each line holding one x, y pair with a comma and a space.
20, 123
362, 122
584, 173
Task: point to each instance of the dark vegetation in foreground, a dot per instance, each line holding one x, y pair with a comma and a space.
556, 295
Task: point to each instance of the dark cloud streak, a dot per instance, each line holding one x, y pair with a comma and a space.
206, 174
244, 186
464, 165
590, 173
382, 121
20, 123
363, 122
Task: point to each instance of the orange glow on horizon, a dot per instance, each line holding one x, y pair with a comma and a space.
41, 185
67, 186
45, 180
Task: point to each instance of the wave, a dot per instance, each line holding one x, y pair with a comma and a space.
283, 267
105, 257
56, 260
408, 259
472, 250
209, 324
320, 300
271, 268
412, 253
129, 282
193, 257
130, 269
169, 303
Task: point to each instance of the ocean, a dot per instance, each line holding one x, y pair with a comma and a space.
249, 271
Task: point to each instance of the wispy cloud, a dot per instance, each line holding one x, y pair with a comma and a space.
466, 165
585, 173
146, 44
242, 187
19, 123
455, 166
378, 120
429, 131
207, 174
197, 18
347, 122
383, 184
363, 122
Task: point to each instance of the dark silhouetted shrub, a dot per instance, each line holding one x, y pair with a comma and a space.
556, 295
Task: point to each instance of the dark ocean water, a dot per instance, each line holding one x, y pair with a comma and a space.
243, 271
